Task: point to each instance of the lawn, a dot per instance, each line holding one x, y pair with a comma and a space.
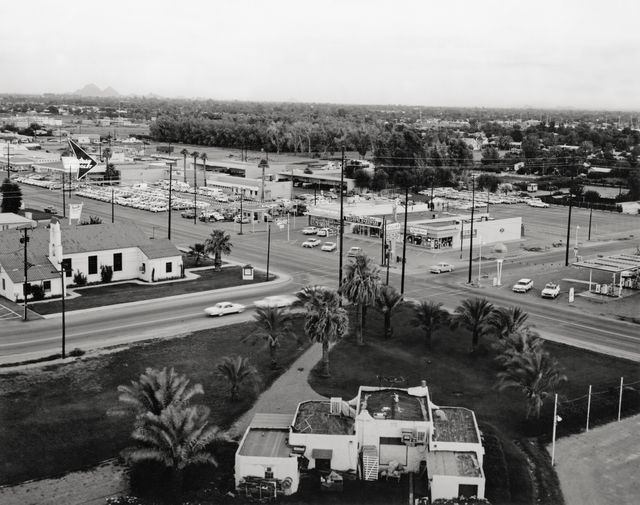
110, 294
457, 378
66, 417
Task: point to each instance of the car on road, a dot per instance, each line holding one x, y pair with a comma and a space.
354, 251
222, 308
324, 232
522, 286
551, 290
441, 267
312, 242
276, 301
329, 246
188, 214
211, 216
310, 230
238, 219
51, 210
537, 203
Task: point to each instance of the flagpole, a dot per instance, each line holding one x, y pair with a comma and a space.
553, 436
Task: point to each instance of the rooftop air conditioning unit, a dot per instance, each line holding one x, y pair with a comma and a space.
408, 436
335, 408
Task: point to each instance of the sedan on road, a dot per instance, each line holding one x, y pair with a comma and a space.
276, 301
309, 230
329, 246
537, 203
222, 308
354, 251
312, 242
523, 285
551, 290
441, 267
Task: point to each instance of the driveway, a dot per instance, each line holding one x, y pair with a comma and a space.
601, 467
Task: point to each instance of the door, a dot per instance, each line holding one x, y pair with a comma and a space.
467, 490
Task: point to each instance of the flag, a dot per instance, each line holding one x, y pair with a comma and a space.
86, 162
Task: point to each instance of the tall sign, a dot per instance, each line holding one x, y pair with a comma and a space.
85, 163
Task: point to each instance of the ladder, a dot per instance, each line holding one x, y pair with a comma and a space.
370, 462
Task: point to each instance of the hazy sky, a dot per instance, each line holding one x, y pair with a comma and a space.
582, 53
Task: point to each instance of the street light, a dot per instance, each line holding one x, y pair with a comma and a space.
63, 271
480, 261
473, 206
171, 163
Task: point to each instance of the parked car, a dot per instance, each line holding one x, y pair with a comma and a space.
310, 230
222, 308
537, 203
244, 220
441, 267
551, 290
276, 301
188, 214
329, 246
354, 251
211, 216
51, 210
312, 242
523, 285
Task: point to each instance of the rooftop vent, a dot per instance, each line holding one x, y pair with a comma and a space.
336, 406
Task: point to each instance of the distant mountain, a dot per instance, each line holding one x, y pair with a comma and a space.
93, 90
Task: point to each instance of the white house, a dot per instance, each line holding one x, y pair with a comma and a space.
85, 249
382, 433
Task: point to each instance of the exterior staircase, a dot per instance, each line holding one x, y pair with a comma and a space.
370, 462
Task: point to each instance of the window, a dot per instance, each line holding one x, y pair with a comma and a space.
169, 267
143, 268
4, 287
117, 262
93, 265
66, 265
268, 473
46, 285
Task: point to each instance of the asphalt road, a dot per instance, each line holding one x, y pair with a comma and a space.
162, 318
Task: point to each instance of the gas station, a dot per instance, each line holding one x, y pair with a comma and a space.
624, 270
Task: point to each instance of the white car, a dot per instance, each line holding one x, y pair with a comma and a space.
276, 301
522, 286
312, 242
325, 232
537, 203
222, 308
329, 246
441, 267
551, 290
310, 230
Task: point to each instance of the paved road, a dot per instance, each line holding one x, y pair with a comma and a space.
557, 321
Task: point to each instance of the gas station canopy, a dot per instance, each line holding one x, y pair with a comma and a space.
615, 264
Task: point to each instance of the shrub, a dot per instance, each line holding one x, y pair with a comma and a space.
37, 292
77, 352
79, 279
106, 273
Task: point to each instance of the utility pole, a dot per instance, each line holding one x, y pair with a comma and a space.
8, 161
431, 206
473, 206
64, 203
170, 191
25, 286
112, 205
64, 326
566, 255
268, 248
241, 216
404, 235
341, 225
590, 215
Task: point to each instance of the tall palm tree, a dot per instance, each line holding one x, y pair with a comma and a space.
360, 285
429, 316
508, 320
236, 371
389, 299
204, 157
473, 314
520, 342
184, 153
272, 325
157, 390
218, 243
198, 250
535, 374
178, 438
195, 155
325, 320
106, 154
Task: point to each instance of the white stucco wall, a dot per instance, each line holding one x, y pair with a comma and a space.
344, 447
130, 264
446, 486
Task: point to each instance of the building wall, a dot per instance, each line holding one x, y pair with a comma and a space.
131, 260
344, 447
252, 466
446, 486
156, 269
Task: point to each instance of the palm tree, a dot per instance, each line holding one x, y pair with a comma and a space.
198, 251
519, 342
508, 320
389, 299
156, 390
325, 320
429, 316
218, 243
473, 314
273, 324
236, 371
195, 155
177, 437
360, 285
204, 157
106, 154
185, 153
535, 374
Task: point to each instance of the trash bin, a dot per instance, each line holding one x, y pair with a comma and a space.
247, 273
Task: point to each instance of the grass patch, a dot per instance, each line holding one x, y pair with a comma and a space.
457, 378
111, 294
67, 417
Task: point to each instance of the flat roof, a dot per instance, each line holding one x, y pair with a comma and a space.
614, 264
272, 421
315, 417
269, 443
457, 464
454, 424
393, 404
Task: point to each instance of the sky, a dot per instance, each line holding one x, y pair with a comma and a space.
489, 53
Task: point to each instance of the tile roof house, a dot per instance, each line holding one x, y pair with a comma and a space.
83, 249
381, 433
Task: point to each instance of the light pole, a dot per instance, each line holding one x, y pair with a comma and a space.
575, 247
341, 225
170, 191
8, 161
473, 206
241, 216
480, 261
112, 205
590, 216
431, 206
268, 248
404, 235
566, 255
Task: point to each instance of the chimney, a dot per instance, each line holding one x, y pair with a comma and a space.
55, 242
423, 383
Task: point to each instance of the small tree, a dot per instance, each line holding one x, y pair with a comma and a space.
236, 371
272, 324
218, 243
79, 279
106, 273
198, 250
429, 316
389, 299
11, 197
474, 314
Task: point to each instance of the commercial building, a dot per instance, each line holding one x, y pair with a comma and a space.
382, 433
